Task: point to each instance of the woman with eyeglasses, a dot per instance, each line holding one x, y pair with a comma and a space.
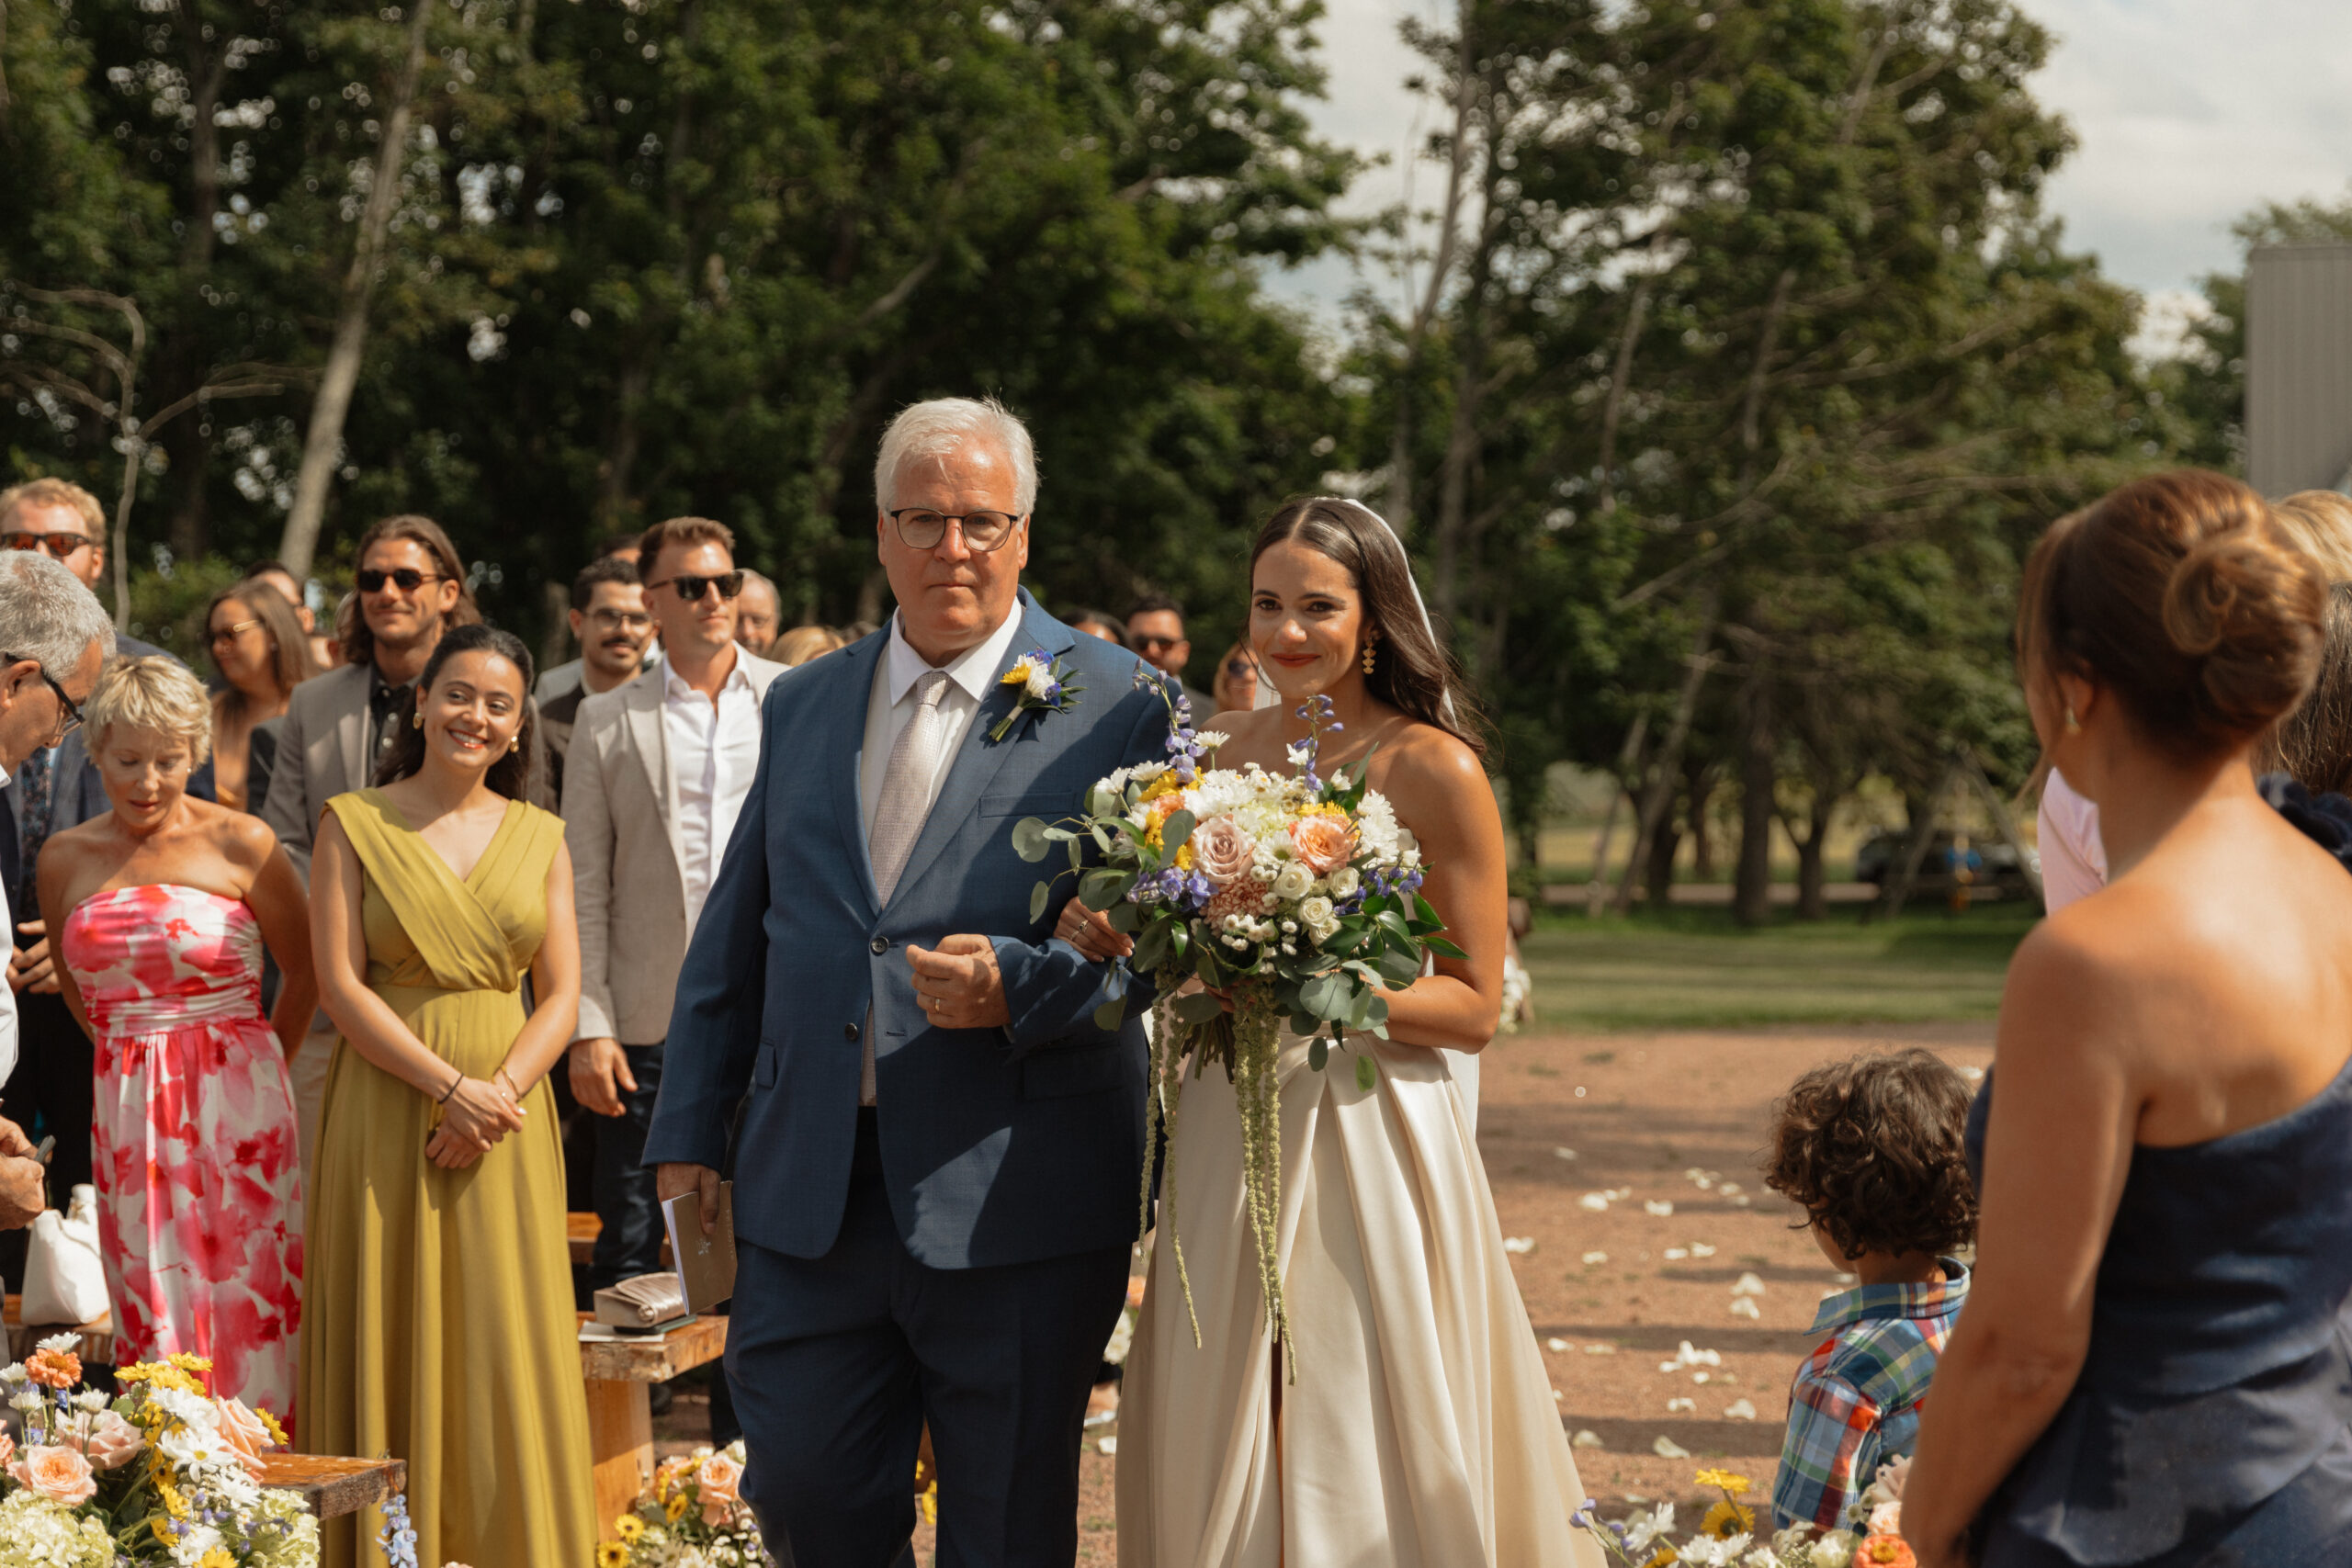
257, 645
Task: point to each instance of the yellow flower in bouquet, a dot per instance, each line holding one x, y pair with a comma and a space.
1724, 1480
611, 1554
676, 1507
1728, 1519
629, 1527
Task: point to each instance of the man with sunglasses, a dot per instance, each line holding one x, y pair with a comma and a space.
411, 587
54, 638
1156, 631
657, 774
934, 1184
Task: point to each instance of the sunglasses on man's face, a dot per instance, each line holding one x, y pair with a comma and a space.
407, 579
1240, 669
691, 588
1156, 644
58, 545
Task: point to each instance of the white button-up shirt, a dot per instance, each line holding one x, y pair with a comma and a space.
890, 703
714, 750
8, 993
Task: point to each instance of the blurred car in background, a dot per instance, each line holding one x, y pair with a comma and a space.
1992, 862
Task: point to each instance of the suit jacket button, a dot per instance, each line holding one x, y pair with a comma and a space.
880, 944
849, 1032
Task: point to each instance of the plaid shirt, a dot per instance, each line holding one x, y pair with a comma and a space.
1855, 1402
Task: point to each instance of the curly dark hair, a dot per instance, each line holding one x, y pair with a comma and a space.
1871, 1149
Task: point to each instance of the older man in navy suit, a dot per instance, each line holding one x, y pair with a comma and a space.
935, 1180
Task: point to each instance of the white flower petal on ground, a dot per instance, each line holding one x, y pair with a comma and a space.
1592, 1257
1563, 1152
1744, 1306
1667, 1448
1555, 1345
1676, 1254
1700, 1249
1658, 1208
1595, 1201
1740, 1202
1587, 1438
1519, 1245
1741, 1409
1591, 1349
1680, 1402
1106, 1445
1748, 1285
1701, 1377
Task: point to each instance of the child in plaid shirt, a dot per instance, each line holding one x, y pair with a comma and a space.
1871, 1148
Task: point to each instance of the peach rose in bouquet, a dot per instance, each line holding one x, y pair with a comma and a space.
246, 1432
1221, 852
59, 1474
1324, 843
718, 1483
110, 1441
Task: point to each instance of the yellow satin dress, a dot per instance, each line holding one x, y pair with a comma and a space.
440, 1325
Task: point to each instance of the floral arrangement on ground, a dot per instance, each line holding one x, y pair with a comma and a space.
164, 1472
1727, 1535
690, 1516
1288, 897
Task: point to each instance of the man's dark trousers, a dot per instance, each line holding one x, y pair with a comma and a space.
837, 1362
627, 1202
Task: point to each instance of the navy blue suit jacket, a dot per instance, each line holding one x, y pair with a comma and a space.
999, 1145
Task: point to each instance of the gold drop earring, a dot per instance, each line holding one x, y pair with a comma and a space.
2073, 724
1369, 645
417, 721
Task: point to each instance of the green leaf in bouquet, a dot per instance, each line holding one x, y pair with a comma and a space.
1209, 964
1060, 835
1421, 911
1037, 896
1360, 1007
1375, 1016
1399, 966
1199, 1007
1103, 886
1319, 1051
1029, 839
1151, 947
1077, 856
1179, 941
1100, 802
1305, 1024
1125, 917
1101, 838
1112, 1013
1172, 834
1325, 995
1367, 1075
1443, 947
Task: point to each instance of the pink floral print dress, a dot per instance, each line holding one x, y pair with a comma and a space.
199, 1188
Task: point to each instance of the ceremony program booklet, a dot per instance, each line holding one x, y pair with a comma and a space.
705, 1264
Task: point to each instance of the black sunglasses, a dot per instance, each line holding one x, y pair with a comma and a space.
407, 579
58, 545
1238, 668
72, 721
690, 588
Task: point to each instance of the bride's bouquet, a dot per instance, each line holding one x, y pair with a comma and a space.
1292, 898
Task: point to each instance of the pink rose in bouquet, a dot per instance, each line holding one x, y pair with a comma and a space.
1324, 843
1221, 852
716, 1482
246, 1432
59, 1474
7, 1450
110, 1441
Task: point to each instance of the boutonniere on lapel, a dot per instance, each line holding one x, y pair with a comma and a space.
1041, 683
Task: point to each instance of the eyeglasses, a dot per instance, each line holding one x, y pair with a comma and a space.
920, 529
1240, 669
690, 588
621, 620
1156, 644
58, 545
407, 579
231, 634
71, 718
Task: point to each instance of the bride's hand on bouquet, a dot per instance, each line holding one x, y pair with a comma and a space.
477, 1115
1090, 932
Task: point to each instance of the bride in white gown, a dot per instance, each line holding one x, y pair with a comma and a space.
1421, 1429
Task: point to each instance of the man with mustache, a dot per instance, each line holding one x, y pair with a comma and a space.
613, 628
660, 766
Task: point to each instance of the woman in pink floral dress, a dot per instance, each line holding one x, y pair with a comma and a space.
163, 904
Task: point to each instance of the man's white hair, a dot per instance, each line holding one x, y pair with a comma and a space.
46, 614
929, 431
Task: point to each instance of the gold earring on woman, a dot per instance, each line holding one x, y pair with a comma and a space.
418, 720
515, 744
1368, 646
2073, 724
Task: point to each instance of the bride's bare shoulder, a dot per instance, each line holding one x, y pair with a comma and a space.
1417, 757
1245, 729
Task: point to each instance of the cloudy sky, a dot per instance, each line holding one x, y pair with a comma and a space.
2186, 113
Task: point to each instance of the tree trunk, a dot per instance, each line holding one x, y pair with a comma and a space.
1813, 893
1670, 760
323, 442
1658, 869
1401, 438
1699, 786
1758, 776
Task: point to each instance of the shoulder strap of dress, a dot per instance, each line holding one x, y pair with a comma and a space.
458, 938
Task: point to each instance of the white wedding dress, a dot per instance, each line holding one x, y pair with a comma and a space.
1421, 1429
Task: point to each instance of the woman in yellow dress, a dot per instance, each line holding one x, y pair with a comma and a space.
440, 1327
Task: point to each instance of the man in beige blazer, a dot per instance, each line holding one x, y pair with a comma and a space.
656, 773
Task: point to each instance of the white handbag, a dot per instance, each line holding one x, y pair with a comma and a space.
64, 1281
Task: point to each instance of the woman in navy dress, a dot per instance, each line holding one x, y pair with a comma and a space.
2154, 1369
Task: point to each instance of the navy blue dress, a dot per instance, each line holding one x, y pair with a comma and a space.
2212, 1421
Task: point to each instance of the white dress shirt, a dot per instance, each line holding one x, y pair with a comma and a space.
890, 703
714, 750
2074, 856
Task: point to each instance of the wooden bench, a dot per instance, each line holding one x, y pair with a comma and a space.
581, 1230
98, 1335
620, 1375
333, 1487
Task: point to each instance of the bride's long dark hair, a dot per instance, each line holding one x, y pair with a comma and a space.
511, 774
1410, 671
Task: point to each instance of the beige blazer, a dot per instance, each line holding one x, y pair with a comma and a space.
322, 752
628, 885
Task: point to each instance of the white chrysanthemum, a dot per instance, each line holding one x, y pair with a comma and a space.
187, 1446
1211, 738
188, 1409
68, 1342
1834, 1549
1040, 684
1376, 827
1642, 1529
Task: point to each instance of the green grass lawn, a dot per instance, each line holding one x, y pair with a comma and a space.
1696, 969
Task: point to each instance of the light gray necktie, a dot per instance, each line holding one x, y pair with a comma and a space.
899, 816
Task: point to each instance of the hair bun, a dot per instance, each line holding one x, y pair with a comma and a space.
2245, 604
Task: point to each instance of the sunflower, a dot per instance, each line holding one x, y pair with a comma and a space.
676, 1507
1665, 1557
611, 1554
629, 1527
1728, 1519
1724, 1480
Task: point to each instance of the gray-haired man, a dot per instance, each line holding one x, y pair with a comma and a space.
54, 638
